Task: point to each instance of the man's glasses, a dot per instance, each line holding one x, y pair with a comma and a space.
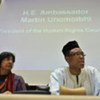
77, 54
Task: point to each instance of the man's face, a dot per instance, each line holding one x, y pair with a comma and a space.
76, 58
7, 64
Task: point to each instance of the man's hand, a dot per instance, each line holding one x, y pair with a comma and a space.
68, 91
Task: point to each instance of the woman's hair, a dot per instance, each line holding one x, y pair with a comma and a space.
4, 55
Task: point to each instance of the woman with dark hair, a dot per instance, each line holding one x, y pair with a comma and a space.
9, 82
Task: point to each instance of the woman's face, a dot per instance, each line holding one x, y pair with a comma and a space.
7, 64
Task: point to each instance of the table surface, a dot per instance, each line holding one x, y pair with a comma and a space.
45, 97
